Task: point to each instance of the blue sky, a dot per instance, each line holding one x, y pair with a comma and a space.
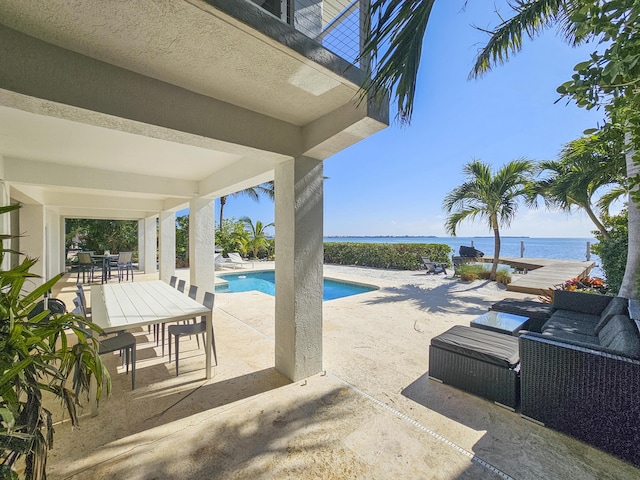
393, 183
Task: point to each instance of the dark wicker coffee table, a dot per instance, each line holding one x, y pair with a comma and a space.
501, 322
537, 312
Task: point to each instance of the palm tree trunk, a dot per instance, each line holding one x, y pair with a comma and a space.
496, 248
629, 287
596, 221
223, 200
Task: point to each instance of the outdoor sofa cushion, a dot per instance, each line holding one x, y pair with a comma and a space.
573, 322
621, 334
617, 306
491, 347
590, 303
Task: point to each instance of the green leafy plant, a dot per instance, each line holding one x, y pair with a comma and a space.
36, 357
613, 250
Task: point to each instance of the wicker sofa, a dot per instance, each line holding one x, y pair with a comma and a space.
581, 373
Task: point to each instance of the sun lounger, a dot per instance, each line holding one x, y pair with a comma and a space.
236, 259
221, 262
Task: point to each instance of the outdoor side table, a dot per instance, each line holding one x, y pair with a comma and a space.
501, 322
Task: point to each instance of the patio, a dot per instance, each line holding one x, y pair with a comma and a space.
372, 414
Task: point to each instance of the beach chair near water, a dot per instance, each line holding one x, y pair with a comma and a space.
433, 268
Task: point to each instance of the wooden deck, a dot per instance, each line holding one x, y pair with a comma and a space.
543, 273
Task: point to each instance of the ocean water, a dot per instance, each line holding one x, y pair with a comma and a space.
558, 248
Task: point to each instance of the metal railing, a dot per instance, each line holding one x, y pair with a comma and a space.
338, 25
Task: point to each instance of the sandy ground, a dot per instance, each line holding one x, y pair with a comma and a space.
372, 413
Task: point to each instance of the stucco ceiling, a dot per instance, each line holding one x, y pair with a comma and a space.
189, 44
64, 142
273, 102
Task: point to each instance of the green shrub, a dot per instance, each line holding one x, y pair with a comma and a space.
503, 277
613, 252
468, 276
469, 272
399, 256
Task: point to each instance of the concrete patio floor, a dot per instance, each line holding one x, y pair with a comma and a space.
373, 413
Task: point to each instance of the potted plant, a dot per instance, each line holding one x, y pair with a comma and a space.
35, 356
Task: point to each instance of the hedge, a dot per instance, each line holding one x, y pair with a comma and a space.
398, 256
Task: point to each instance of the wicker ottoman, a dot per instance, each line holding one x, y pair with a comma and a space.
477, 361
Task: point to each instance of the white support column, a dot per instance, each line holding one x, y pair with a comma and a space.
202, 243
5, 220
53, 245
299, 261
151, 244
141, 245
32, 241
167, 245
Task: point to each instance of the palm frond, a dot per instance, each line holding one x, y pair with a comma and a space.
531, 18
397, 30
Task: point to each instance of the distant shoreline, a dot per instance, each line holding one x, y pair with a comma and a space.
426, 236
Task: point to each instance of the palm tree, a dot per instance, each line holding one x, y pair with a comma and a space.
488, 195
585, 166
397, 29
257, 234
252, 192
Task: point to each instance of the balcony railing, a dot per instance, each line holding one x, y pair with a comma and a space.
338, 25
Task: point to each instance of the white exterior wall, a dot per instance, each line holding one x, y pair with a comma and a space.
150, 244
167, 245
299, 260
202, 243
141, 245
5, 220
33, 242
53, 244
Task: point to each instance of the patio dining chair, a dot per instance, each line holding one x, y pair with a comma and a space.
172, 281
193, 292
199, 328
83, 299
86, 265
125, 264
121, 342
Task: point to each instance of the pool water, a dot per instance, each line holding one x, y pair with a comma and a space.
265, 282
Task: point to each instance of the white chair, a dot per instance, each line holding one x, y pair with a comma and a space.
221, 262
236, 259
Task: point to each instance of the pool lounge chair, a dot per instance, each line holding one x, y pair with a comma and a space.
236, 259
220, 262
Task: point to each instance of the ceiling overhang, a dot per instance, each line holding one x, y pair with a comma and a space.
158, 102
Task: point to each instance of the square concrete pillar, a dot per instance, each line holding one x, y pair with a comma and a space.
299, 260
33, 241
150, 244
167, 245
141, 245
5, 219
202, 239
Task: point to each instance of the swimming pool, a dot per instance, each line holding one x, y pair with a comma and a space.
265, 282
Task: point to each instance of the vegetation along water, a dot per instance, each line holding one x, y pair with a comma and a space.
557, 248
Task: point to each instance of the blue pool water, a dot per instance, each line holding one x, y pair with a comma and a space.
265, 282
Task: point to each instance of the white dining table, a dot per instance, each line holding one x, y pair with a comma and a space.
124, 306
